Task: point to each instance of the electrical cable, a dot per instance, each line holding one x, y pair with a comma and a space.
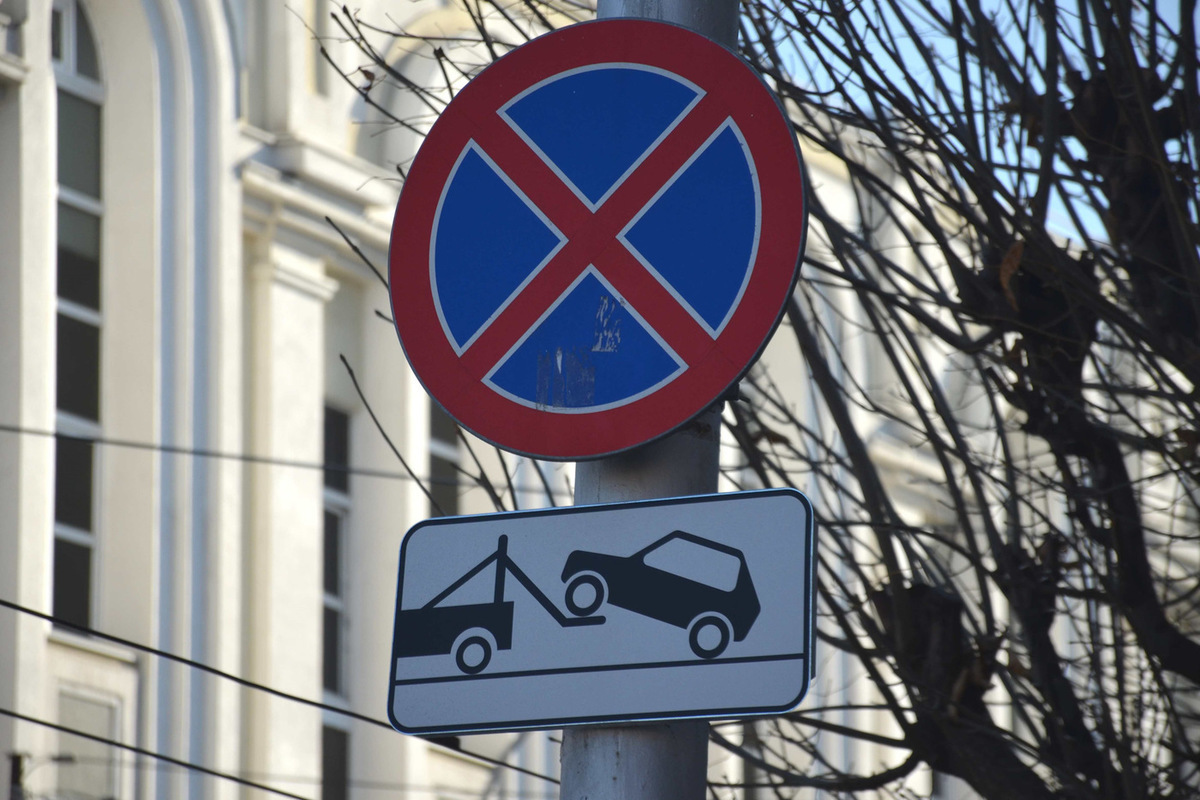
195, 452
353, 783
257, 686
217, 454
150, 753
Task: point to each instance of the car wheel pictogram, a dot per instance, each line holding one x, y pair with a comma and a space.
709, 635
585, 594
472, 652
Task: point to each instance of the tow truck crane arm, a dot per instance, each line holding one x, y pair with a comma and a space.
505, 564
559, 617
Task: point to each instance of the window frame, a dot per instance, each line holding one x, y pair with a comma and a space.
68, 80
336, 502
69, 12
327, 725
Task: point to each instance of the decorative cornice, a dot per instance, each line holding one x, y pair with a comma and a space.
12, 69
286, 267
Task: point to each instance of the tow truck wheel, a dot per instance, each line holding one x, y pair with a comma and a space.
473, 654
708, 635
585, 594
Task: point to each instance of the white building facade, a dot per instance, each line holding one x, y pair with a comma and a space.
176, 301
175, 308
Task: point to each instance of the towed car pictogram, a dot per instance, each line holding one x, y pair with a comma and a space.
683, 580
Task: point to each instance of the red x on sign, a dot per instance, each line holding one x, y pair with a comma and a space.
592, 236
597, 238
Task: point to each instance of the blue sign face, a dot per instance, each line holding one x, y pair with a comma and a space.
591, 348
590, 247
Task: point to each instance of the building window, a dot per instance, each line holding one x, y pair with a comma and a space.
443, 462
80, 319
337, 508
333, 646
337, 450
335, 763
72, 45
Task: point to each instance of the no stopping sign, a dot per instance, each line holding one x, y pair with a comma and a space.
597, 238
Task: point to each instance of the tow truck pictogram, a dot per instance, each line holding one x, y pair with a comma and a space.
474, 631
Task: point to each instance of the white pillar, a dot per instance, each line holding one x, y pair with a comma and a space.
27, 324
283, 591
382, 510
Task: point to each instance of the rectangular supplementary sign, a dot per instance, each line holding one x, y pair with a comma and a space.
686, 607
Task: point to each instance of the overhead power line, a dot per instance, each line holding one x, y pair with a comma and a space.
150, 753
258, 686
248, 458
353, 783
199, 452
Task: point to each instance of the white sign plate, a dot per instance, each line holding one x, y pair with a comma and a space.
686, 607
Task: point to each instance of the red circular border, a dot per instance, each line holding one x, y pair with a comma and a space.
772, 143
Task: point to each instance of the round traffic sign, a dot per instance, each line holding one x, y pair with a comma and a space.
596, 238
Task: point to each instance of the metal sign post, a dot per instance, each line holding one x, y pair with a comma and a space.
660, 761
665, 761
645, 217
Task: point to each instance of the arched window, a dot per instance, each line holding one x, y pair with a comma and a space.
80, 312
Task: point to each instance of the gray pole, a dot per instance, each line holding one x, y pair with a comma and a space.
716, 19
664, 761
